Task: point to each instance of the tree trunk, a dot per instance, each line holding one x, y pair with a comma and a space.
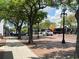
28, 28
19, 32
38, 31
77, 42
30, 32
31, 17
16, 29
77, 46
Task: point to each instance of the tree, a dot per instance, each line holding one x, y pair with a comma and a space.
52, 26
17, 16
77, 42
70, 22
45, 24
28, 8
13, 12
24, 29
31, 8
40, 16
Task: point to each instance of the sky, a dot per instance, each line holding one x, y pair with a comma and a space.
53, 14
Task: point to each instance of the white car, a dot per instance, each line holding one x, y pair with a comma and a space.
47, 33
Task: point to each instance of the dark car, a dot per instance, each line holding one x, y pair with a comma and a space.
16, 34
60, 30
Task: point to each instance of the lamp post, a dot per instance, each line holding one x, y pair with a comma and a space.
63, 14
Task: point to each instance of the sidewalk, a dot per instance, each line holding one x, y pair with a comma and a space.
2, 42
14, 49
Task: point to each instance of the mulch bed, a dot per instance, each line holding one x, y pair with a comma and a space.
51, 46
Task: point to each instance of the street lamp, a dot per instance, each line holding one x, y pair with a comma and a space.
63, 15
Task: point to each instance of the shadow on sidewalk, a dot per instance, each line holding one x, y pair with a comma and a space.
14, 44
6, 55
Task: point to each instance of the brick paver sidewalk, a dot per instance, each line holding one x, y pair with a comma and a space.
14, 49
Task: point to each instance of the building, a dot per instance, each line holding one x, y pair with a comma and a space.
1, 27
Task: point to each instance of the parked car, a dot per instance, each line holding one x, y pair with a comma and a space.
58, 31
47, 33
16, 34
